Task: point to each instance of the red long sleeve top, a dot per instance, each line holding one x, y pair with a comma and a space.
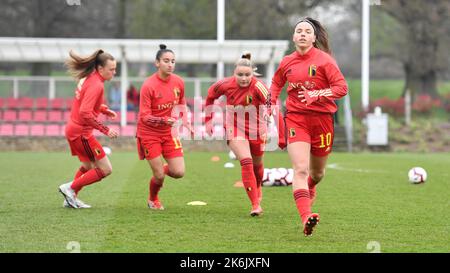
89, 95
158, 97
318, 72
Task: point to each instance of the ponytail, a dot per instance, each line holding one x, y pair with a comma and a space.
80, 67
320, 33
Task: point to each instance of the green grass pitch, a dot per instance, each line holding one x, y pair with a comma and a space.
365, 201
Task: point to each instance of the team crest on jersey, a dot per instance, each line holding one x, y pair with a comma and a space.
248, 99
291, 132
159, 96
312, 70
97, 151
176, 92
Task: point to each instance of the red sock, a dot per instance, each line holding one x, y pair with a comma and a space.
259, 173
91, 176
155, 186
82, 170
303, 203
312, 189
249, 180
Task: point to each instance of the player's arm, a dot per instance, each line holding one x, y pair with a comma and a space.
146, 115
278, 82
104, 109
214, 92
338, 86
91, 96
263, 99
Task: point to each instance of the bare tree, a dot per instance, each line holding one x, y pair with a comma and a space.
425, 25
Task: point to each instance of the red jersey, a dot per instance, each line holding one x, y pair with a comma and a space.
89, 95
318, 72
255, 94
158, 97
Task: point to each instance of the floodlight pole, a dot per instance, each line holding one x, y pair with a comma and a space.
123, 87
220, 36
365, 73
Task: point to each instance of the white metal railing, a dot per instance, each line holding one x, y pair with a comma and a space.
52, 86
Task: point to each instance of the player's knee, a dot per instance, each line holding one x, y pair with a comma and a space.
177, 174
301, 171
159, 175
317, 175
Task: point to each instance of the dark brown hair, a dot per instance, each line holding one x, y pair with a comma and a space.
320, 32
162, 49
80, 67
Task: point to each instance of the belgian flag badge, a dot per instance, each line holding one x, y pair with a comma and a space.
291, 132
312, 70
248, 99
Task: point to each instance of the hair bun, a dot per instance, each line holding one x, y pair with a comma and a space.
247, 56
162, 46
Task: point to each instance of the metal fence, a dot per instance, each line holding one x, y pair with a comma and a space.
63, 87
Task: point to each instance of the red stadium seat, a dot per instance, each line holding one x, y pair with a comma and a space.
115, 127
69, 102
66, 115
40, 116
37, 130
41, 103
6, 130
10, 115
26, 103
22, 130
55, 116
52, 130
131, 117
25, 115
12, 103
129, 130
2, 102
57, 104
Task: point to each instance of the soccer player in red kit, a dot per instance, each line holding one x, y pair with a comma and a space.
314, 82
90, 72
245, 137
160, 95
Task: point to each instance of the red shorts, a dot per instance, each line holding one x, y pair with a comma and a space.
314, 128
153, 146
87, 149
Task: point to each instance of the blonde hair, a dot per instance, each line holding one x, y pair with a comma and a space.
80, 67
246, 60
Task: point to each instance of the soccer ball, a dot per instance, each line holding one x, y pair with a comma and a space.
290, 176
267, 178
282, 173
107, 150
417, 175
277, 177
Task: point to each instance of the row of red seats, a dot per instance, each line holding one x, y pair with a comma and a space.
51, 116
36, 103
54, 130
